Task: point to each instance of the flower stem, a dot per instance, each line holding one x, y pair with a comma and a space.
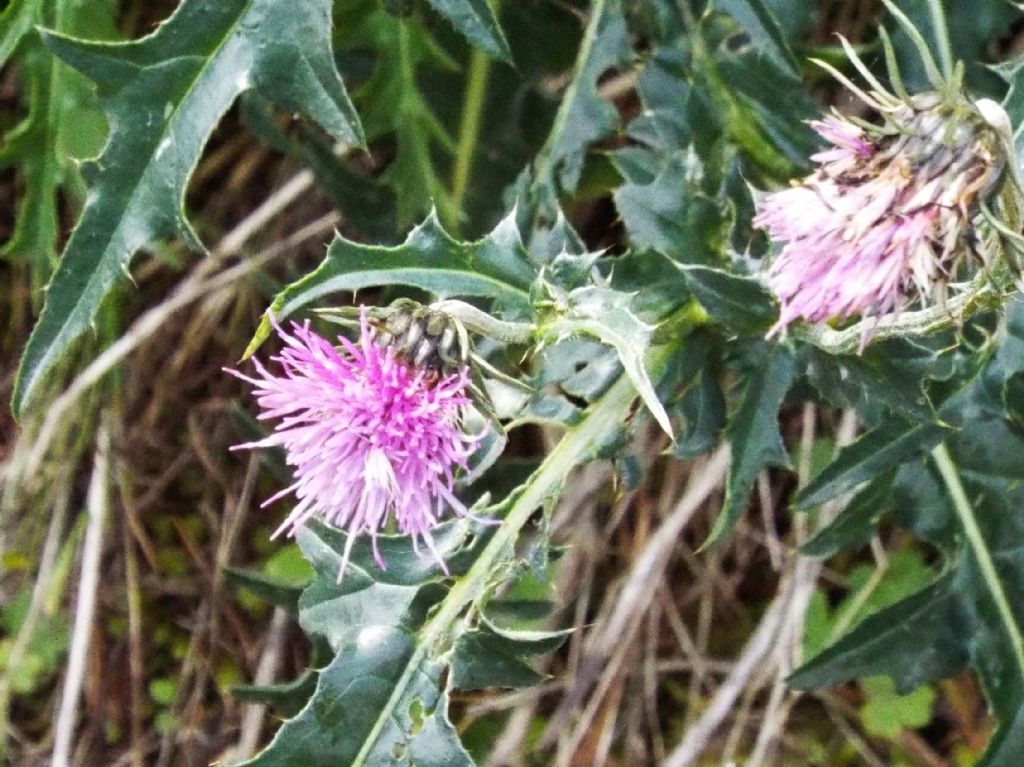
946, 314
603, 417
979, 548
942, 37
469, 131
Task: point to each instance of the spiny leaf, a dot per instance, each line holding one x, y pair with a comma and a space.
350, 692
971, 616
766, 32
490, 656
754, 435
494, 267
670, 216
892, 443
583, 116
740, 303
369, 620
392, 103
477, 21
606, 314
163, 95
64, 122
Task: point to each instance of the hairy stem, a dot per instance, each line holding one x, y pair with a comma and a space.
944, 462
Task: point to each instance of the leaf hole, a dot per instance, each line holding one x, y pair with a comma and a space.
416, 714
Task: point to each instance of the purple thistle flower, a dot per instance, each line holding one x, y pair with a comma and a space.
368, 434
884, 221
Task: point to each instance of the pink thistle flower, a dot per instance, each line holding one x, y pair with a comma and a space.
885, 219
369, 435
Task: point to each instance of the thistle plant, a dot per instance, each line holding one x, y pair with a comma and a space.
892, 218
541, 412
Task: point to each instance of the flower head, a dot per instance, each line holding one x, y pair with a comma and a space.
370, 435
885, 219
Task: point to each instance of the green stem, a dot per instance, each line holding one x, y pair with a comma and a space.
603, 417
952, 311
469, 131
979, 547
942, 36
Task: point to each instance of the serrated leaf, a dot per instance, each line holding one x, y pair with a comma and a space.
970, 616
64, 123
765, 31
477, 21
606, 314
753, 435
276, 591
368, 595
393, 104
671, 217
856, 522
495, 267
490, 656
344, 708
887, 376
583, 116
883, 448
163, 95
740, 303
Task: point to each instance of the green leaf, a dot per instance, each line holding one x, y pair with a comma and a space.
855, 524
276, 591
890, 642
287, 698
669, 216
477, 21
349, 695
606, 314
754, 435
363, 202
766, 32
393, 104
64, 123
583, 116
887, 376
490, 656
163, 95
740, 303
495, 267
884, 448
886, 713
971, 615
15, 22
